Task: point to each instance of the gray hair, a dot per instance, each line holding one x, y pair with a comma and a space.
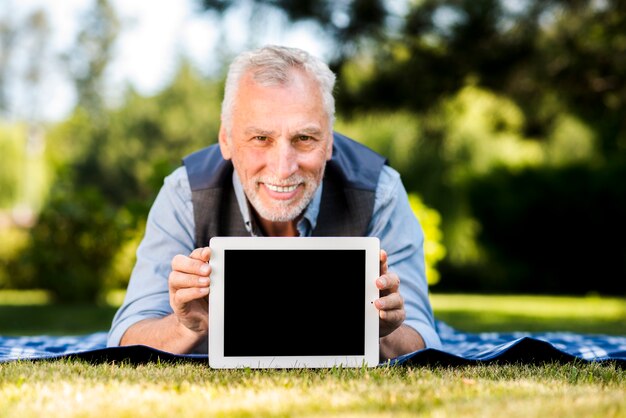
271, 66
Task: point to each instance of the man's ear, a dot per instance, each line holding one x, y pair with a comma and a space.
329, 147
224, 143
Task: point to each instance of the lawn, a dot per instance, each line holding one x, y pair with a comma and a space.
478, 313
75, 389
31, 313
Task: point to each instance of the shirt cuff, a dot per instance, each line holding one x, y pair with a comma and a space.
427, 332
117, 332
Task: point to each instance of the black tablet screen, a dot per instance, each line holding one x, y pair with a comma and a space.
294, 302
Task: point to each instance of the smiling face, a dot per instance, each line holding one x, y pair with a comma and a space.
279, 142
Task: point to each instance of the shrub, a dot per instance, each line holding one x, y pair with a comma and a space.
553, 230
434, 250
12, 139
72, 245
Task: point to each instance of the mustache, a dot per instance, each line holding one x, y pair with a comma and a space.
289, 181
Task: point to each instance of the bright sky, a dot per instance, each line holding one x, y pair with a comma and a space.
154, 34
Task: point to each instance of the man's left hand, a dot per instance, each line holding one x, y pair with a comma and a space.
390, 305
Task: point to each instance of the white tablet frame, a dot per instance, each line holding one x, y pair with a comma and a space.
218, 245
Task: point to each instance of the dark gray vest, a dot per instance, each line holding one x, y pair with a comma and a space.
349, 188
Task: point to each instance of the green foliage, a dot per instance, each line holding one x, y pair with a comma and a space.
347, 24
123, 260
32, 297
107, 176
468, 158
434, 251
14, 241
537, 55
394, 135
483, 130
495, 86
12, 143
127, 154
475, 131
91, 55
441, 152
570, 142
484, 108
72, 245
398, 137
552, 230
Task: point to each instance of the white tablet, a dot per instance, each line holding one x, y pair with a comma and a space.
293, 302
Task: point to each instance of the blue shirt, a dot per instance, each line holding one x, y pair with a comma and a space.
170, 230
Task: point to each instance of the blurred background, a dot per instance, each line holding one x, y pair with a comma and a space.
505, 118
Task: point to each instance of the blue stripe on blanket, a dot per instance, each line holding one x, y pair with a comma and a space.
458, 348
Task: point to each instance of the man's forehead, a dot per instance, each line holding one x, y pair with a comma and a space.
309, 129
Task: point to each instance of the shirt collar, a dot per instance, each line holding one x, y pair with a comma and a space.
305, 226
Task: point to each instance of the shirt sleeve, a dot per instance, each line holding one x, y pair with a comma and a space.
169, 231
402, 237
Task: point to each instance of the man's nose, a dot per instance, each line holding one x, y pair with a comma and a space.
285, 159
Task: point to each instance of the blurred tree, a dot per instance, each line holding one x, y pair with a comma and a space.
91, 54
107, 176
546, 55
491, 86
551, 230
12, 152
24, 58
33, 175
348, 23
143, 139
38, 27
434, 251
441, 152
581, 60
493, 111
71, 247
8, 35
24, 61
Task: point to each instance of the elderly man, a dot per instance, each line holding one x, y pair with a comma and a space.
279, 170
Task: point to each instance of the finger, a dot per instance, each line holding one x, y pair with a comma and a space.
179, 280
390, 302
389, 282
190, 265
202, 254
396, 316
383, 262
184, 296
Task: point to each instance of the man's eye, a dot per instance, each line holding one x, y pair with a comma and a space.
304, 138
260, 138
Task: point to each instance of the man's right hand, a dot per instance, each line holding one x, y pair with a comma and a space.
189, 289
188, 326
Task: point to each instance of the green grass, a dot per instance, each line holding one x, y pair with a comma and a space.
75, 389
32, 313
71, 388
54, 319
477, 313
24, 297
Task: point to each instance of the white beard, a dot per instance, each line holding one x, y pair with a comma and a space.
281, 210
